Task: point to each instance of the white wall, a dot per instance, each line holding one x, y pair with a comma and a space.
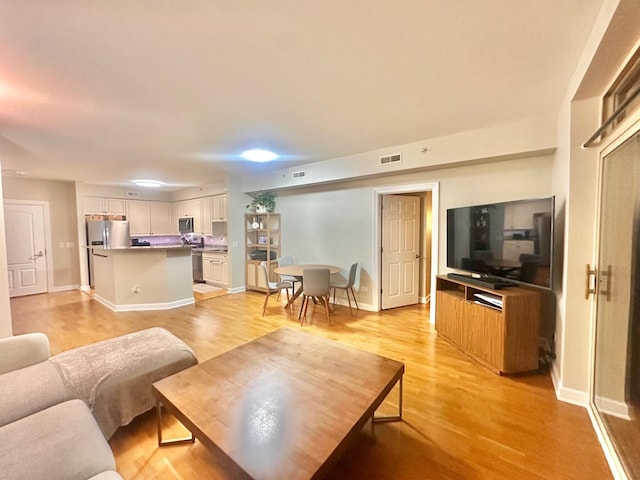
524, 138
6, 330
64, 234
575, 185
334, 224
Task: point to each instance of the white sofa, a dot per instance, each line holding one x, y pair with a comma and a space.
46, 433
57, 412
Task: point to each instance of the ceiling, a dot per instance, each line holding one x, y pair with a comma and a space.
106, 91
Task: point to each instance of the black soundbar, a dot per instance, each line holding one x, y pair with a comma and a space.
494, 283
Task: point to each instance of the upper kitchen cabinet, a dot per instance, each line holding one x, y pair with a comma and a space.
219, 208
519, 216
189, 208
205, 210
214, 209
149, 218
100, 205
192, 208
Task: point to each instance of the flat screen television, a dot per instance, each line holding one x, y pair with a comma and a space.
512, 240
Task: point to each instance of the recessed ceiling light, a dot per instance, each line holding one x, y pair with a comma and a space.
148, 183
258, 155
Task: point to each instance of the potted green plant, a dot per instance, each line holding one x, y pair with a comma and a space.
263, 202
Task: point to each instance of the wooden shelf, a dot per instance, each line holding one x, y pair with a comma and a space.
504, 339
266, 240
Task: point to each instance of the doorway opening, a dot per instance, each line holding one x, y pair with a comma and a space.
396, 273
28, 241
615, 389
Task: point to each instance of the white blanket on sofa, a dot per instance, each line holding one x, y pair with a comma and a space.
114, 376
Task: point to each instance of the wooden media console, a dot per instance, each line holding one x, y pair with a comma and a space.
498, 328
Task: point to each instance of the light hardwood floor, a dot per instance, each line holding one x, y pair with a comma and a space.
461, 421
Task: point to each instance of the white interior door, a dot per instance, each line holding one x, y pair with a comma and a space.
400, 251
26, 248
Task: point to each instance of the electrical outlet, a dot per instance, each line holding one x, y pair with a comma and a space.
69, 244
235, 244
364, 288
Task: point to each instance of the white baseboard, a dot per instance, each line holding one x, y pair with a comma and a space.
569, 395
143, 306
614, 408
64, 288
361, 306
617, 470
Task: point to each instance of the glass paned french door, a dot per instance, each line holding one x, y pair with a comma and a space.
616, 387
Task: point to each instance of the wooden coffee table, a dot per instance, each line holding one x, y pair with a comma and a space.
285, 405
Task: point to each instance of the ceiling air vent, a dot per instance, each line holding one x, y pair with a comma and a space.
390, 159
300, 174
133, 194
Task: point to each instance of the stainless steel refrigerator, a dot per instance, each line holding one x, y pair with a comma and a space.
108, 234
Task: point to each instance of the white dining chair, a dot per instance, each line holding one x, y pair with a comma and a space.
315, 285
346, 286
273, 287
283, 262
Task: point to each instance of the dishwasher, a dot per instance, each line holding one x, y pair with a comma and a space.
196, 263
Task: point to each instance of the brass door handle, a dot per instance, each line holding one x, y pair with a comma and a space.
590, 287
606, 291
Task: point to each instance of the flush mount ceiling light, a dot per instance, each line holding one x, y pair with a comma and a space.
148, 183
258, 155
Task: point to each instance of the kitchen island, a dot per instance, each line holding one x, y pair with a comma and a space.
143, 278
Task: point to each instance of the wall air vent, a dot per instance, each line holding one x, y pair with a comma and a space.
395, 158
133, 194
299, 174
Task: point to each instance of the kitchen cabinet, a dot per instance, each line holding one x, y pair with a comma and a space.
205, 211
189, 208
512, 249
215, 268
213, 209
502, 336
101, 205
192, 208
175, 215
160, 214
262, 243
519, 216
149, 218
219, 208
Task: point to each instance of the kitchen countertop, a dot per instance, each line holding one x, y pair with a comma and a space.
210, 249
145, 247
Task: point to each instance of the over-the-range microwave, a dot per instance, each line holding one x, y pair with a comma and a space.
185, 225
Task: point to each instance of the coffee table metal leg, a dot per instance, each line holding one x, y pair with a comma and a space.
175, 441
392, 418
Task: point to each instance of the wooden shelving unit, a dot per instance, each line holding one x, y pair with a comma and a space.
503, 337
262, 243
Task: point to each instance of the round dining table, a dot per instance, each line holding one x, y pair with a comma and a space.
297, 271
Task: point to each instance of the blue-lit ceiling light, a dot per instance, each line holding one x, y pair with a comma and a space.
258, 155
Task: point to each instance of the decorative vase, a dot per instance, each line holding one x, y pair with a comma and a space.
261, 209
